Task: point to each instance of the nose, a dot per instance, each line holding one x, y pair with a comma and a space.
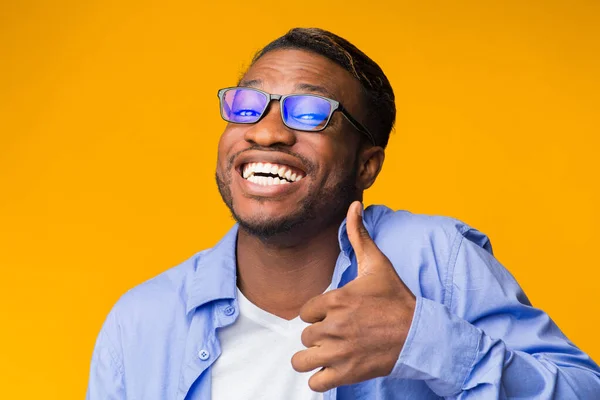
270, 130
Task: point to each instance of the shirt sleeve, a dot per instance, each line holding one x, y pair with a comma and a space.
106, 372
486, 341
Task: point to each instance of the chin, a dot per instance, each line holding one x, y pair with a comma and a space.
264, 220
267, 228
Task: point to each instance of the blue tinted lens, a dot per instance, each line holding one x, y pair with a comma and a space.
243, 105
306, 112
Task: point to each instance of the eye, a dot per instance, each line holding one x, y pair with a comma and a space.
309, 120
310, 117
246, 113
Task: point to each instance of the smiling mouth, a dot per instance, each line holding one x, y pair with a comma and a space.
267, 174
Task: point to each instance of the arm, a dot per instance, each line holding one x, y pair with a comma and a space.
487, 341
106, 373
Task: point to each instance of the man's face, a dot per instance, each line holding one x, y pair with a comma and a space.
323, 163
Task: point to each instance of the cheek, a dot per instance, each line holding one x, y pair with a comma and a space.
335, 159
229, 143
340, 153
222, 149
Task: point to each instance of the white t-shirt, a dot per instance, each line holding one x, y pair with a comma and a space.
255, 361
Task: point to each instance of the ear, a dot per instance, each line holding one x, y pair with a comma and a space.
370, 161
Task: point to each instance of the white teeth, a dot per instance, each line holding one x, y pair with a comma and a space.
283, 174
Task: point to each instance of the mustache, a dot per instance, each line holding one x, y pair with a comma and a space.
310, 166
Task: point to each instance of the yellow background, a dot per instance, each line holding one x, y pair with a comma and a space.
109, 127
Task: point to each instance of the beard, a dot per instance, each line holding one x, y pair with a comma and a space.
326, 205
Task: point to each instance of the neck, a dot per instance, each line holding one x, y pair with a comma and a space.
280, 276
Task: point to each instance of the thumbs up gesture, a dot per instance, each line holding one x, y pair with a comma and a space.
357, 331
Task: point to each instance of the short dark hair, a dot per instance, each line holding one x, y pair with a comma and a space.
378, 94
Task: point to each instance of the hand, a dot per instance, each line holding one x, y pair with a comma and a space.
357, 331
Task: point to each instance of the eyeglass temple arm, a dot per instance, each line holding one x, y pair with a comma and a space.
359, 127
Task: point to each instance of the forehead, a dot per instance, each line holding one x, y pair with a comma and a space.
292, 71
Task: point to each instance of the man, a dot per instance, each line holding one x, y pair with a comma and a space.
308, 293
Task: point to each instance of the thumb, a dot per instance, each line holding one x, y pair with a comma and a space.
365, 249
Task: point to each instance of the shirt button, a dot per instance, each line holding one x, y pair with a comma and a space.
229, 310
203, 355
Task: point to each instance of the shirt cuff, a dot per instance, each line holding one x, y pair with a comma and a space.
440, 348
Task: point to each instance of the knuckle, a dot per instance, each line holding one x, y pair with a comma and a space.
336, 298
363, 232
336, 327
339, 354
299, 362
306, 308
305, 314
310, 314
318, 385
307, 337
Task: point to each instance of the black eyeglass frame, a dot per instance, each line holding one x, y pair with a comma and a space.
335, 106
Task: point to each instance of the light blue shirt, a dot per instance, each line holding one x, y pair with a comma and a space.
474, 334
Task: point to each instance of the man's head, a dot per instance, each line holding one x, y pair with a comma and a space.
332, 167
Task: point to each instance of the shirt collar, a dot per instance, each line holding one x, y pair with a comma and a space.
215, 273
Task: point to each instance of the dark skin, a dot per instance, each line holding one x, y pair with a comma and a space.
358, 331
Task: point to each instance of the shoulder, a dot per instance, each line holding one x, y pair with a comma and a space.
158, 299
441, 230
422, 248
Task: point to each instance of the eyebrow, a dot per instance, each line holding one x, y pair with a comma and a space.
255, 83
315, 89
304, 87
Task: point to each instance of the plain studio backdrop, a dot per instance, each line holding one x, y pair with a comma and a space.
109, 125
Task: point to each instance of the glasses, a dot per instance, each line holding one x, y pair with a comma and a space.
302, 112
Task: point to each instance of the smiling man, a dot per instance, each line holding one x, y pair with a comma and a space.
310, 297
